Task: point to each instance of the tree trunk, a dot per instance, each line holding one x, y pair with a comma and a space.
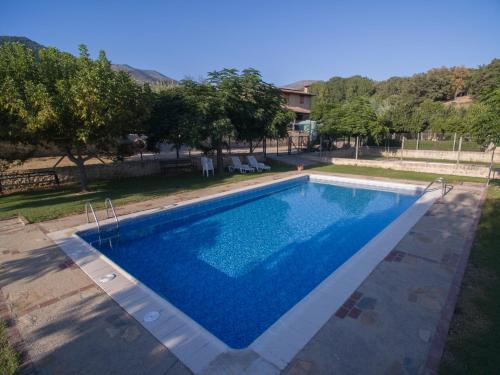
82, 173
80, 163
177, 151
251, 148
220, 161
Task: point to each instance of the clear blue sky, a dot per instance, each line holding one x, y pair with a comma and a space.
286, 40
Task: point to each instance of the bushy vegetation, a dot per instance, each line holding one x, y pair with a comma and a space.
86, 109
359, 106
9, 362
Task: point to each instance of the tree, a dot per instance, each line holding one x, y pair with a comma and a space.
484, 80
79, 104
483, 120
254, 107
211, 120
173, 118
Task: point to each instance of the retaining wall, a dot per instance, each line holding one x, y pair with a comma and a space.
417, 166
128, 168
466, 156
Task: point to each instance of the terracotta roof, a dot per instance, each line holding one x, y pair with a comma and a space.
299, 92
299, 85
298, 109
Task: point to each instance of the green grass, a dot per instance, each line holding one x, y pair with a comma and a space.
472, 346
9, 362
373, 157
381, 172
411, 144
50, 204
44, 205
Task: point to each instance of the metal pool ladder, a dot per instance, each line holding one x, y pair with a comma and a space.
437, 180
109, 205
89, 209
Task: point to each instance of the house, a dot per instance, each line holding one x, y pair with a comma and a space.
298, 99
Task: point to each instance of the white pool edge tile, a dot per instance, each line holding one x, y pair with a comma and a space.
192, 343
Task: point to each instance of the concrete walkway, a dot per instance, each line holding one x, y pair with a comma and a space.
394, 323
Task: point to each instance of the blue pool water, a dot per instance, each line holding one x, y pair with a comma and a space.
236, 264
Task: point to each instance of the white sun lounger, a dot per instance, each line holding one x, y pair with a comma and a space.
256, 164
243, 168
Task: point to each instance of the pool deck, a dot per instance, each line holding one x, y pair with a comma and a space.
394, 323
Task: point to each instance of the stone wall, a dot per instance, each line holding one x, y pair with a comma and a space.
466, 156
135, 168
110, 171
417, 166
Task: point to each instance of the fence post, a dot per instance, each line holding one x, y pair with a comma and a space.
264, 146
491, 165
454, 141
320, 145
418, 138
289, 145
402, 146
459, 149
357, 146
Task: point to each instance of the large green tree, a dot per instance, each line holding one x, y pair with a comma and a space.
174, 118
78, 104
254, 107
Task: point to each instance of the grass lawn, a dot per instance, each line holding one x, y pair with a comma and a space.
411, 144
8, 357
473, 342
50, 204
372, 157
381, 172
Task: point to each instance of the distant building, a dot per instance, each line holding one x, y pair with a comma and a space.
298, 99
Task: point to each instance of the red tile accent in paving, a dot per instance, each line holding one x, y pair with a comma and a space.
354, 313
54, 300
356, 295
69, 294
341, 312
349, 304
49, 302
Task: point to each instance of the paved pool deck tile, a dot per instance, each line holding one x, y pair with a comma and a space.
65, 323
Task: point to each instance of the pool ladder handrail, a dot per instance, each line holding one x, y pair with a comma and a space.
443, 186
109, 205
88, 205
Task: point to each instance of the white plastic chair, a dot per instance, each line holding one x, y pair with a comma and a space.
207, 165
243, 168
256, 164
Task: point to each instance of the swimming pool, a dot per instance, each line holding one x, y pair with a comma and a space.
235, 265
260, 268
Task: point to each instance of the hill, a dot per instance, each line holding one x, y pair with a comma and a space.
23, 40
145, 76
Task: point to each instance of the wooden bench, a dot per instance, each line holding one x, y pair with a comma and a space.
26, 180
176, 164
